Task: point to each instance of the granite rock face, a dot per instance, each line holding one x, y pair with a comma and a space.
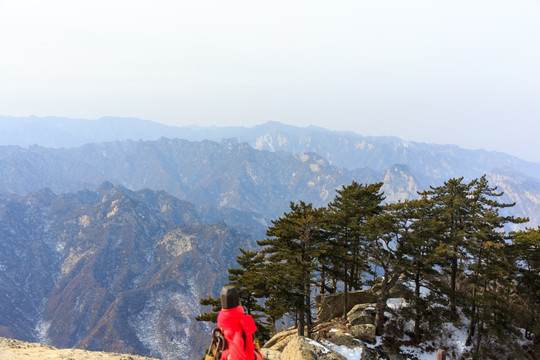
301, 348
331, 306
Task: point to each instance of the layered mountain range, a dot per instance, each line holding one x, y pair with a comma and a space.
257, 170
111, 230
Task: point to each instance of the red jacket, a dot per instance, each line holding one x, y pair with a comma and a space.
236, 327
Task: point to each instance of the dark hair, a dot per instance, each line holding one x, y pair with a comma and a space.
229, 297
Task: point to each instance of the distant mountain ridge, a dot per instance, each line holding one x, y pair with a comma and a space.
258, 183
343, 149
227, 174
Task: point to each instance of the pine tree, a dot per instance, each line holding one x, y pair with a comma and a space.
525, 251
426, 229
213, 314
389, 238
251, 285
485, 258
293, 249
347, 213
277, 291
249, 281
452, 203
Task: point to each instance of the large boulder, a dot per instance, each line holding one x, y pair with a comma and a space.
400, 290
280, 345
362, 314
331, 306
276, 341
369, 308
360, 318
337, 337
300, 348
364, 332
269, 354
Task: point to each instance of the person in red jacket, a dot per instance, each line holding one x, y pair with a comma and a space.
237, 327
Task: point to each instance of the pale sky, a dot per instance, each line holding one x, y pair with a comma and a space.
465, 72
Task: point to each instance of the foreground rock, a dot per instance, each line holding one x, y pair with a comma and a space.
302, 348
20, 350
333, 338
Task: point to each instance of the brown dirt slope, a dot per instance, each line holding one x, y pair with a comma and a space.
19, 350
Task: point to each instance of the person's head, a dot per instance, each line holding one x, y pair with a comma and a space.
229, 297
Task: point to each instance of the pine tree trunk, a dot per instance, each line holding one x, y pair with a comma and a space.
381, 307
472, 325
479, 338
382, 299
307, 306
354, 269
345, 300
345, 296
379, 316
301, 321
323, 281
474, 318
453, 277
418, 309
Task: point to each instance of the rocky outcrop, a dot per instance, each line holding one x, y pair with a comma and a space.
280, 340
362, 314
331, 306
331, 335
364, 332
301, 348
270, 354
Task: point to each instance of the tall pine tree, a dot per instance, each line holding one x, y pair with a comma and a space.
426, 229
389, 235
293, 249
486, 263
347, 213
526, 260
452, 203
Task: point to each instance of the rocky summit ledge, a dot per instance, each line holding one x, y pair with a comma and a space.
19, 350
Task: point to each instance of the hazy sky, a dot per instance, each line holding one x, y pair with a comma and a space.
465, 72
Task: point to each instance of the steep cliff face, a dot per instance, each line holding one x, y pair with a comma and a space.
113, 270
520, 189
399, 183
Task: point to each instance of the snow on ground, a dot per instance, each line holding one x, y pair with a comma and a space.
348, 353
454, 339
395, 303
315, 343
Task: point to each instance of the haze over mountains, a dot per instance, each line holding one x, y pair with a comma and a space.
111, 230
343, 149
295, 164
